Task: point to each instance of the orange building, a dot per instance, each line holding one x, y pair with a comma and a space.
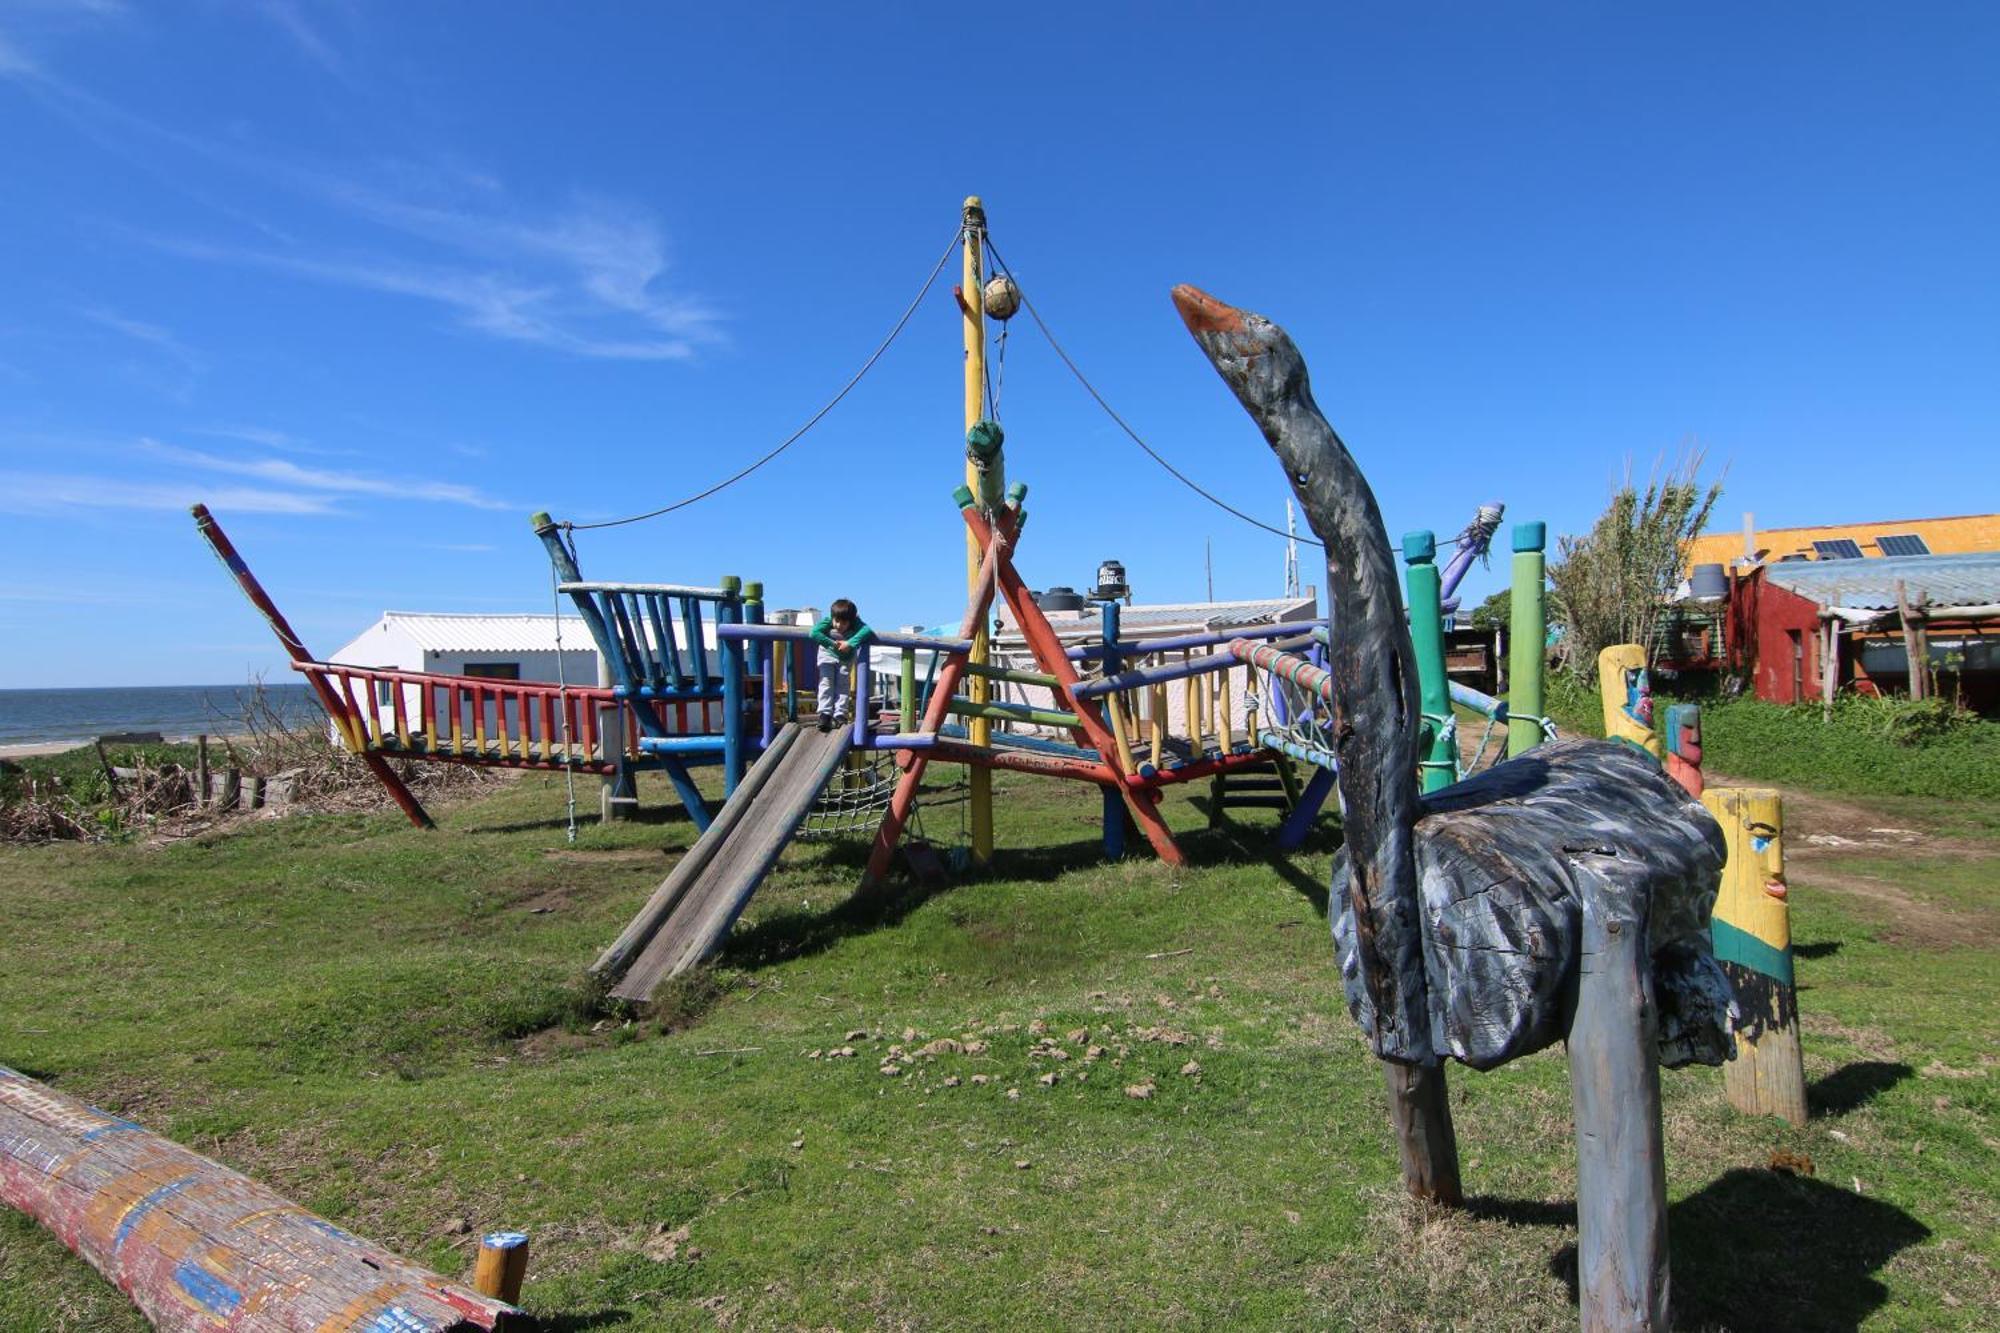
1959, 535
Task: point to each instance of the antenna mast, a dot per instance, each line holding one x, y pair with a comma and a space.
1291, 549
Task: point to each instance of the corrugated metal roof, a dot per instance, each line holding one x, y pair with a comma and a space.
1945, 580
1157, 619
445, 632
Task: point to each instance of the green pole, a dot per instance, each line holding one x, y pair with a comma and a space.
1528, 631
1438, 766
909, 691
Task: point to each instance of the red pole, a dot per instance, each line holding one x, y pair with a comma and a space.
891, 828
218, 542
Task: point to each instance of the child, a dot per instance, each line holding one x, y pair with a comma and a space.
840, 634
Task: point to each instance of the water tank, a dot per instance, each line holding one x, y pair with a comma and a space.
1111, 581
1708, 584
1060, 598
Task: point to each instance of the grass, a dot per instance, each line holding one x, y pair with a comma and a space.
392, 1027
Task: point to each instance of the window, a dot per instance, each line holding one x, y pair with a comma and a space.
1906, 543
1840, 548
494, 670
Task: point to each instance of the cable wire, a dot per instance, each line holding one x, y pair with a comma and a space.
811, 421
1111, 412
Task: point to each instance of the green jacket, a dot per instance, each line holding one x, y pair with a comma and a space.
822, 634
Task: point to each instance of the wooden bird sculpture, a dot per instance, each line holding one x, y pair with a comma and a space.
1562, 895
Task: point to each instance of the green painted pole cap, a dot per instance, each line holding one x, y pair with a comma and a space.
732, 584
984, 438
1531, 536
540, 520
753, 591
962, 497
1420, 548
1017, 493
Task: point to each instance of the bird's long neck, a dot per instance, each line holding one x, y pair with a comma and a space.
1371, 659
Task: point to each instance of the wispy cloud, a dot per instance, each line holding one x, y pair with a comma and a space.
153, 335
603, 279
587, 276
270, 439
284, 472
53, 492
292, 22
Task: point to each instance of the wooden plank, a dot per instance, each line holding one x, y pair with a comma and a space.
197, 1246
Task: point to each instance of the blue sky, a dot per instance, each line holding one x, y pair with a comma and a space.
376, 281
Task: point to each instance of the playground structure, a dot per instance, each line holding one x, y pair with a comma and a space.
196, 1246
1463, 917
384, 715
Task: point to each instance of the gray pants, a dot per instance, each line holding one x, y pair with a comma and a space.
836, 683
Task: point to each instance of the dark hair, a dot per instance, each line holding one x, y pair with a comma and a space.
842, 609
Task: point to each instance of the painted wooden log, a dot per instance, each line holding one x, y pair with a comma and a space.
1753, 941
198, 1247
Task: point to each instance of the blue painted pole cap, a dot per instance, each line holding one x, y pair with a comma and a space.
1531, 536
1420, 547
504, 1240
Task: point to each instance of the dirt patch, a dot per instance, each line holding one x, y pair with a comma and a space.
588, 856
1906, 919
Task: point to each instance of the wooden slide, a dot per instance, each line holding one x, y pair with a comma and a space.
695, 906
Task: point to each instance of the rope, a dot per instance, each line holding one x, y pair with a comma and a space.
1111, 412
811, 421
562, 693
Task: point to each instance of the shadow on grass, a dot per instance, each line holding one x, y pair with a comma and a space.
1757, 1249
661, 812
1817, 949
786, 935
575, 1323
1854, 1085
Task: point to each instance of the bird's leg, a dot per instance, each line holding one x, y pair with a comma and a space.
1614, 1075
1420, 1111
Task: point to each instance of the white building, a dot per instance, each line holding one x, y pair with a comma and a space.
1143, 623
500, 647
494, 647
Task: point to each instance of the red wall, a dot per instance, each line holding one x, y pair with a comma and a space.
1762, 618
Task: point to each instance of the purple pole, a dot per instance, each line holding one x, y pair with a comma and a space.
861, 700
1472, 544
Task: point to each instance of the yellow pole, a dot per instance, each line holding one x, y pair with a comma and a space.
1191, 705
1752, 930
1224, 733
1157, 705
972, 299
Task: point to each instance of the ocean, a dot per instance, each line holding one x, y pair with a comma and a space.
46, 716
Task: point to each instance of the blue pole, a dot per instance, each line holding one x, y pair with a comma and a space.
729, 611
1114, 803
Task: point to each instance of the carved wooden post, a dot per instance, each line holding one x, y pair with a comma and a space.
1621, 1172
1627, 695
1752, 929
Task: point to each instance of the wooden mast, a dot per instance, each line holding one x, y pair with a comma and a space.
983, 481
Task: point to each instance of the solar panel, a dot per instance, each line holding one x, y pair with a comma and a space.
1840, 548
1908, 543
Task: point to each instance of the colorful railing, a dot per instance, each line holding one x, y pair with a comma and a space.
478, 720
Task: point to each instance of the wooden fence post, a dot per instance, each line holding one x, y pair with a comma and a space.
1753, 942
502, 1265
